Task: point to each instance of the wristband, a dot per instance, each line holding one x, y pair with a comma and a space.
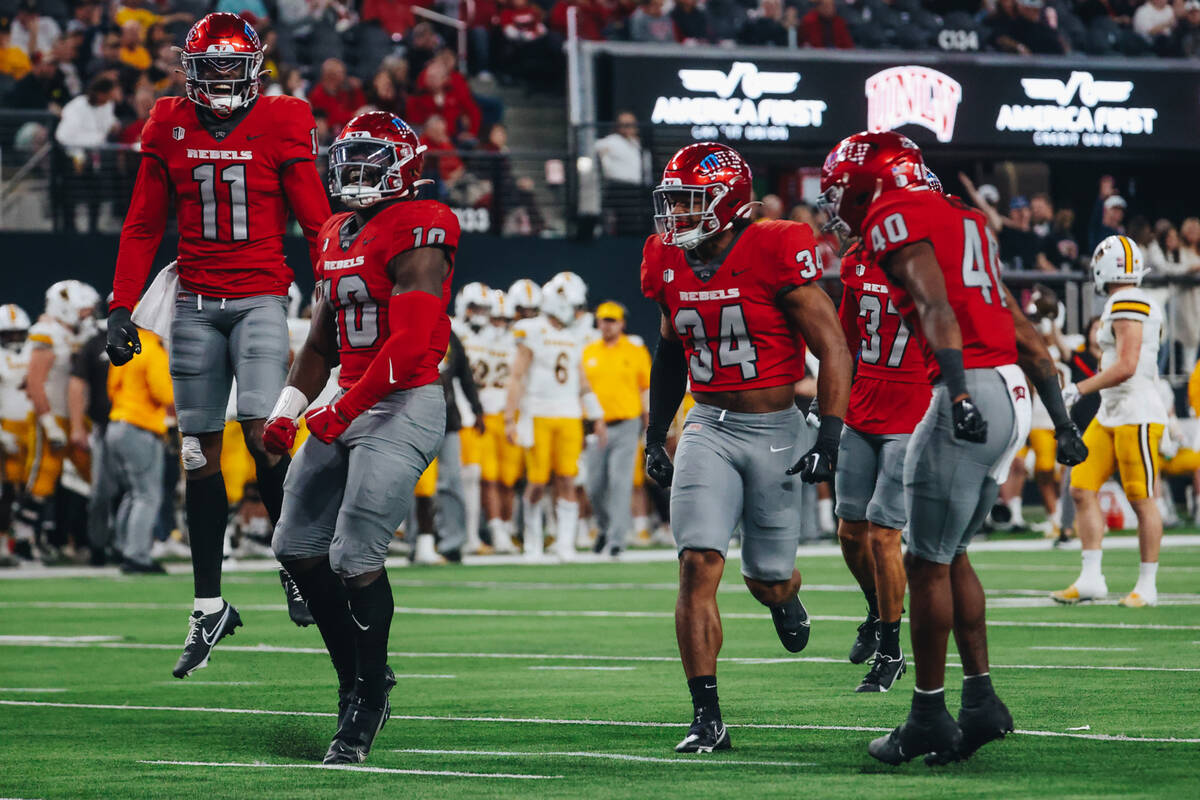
829, 434
591, 407
290, 405
950, 363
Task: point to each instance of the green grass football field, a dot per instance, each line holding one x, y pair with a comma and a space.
563, 681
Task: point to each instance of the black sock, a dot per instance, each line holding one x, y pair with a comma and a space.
889, 638
270, 484
928, 704
329, 603
207, 510
372, 607
872, 604
704, 696
976, 688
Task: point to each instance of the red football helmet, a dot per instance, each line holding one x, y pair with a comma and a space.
375, 156
711, 182
861, 168
221, 59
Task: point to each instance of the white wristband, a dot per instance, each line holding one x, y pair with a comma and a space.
591, 406
291, 403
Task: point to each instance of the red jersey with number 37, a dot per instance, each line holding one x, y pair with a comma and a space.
968, 256
352, 273
733, 331
891, 389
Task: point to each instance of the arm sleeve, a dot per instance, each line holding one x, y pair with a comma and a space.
142, 232
668, 382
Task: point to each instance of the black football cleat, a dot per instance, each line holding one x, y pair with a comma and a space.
885, 671
204, 631
359, 726
867, 641
705, 736
980, 724
345, 697
792, 624
916, 737
297, 607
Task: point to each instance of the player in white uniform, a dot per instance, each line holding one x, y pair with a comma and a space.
549, 390
1126, 432
472, 307
16, 428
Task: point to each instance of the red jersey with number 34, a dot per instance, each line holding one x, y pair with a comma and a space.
969, 258
352, 273
733, 331
891, 388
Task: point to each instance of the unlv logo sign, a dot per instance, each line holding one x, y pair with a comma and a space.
913, 96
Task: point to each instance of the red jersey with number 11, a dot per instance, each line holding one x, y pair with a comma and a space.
968, 256
352, 274
733, 331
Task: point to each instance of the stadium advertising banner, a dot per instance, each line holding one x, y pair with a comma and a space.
971, 103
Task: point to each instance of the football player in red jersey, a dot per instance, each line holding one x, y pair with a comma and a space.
384, 283
739, 303
888, 399
235, 163
942, 270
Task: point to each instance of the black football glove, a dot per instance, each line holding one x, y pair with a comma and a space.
1071, 449
658, 464
969, 424
123, 341
817, 465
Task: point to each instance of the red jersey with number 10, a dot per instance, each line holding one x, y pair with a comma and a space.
733, 331
968, 256
891, 389
352, 273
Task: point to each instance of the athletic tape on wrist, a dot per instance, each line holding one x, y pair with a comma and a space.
290, 405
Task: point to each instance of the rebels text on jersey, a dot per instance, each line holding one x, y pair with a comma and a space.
352, 274
733, 331
891, 388
232, 196
968, 257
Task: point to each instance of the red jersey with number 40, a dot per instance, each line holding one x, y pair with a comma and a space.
352, 274
968, 256
891, 388
733, 331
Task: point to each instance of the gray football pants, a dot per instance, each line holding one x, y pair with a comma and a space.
610, 481
451, 505
136, 458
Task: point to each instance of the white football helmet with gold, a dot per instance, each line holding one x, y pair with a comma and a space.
1117, 259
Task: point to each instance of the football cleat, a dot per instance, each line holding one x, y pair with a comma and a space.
792, 624
1137, 599
345, 697
867, 641
297, 607
1075, 594
980, 724
884, 673
705, 736
204, 631
916, 738
356, 732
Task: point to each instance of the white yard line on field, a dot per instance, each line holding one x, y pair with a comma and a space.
545, 721
178, 682
440, 773
32, 690
688, 761
583, 668
60, 639
1090, 649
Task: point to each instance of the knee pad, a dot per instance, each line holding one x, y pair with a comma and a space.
192, 454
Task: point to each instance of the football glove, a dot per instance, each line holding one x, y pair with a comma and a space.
817, 465
658, 464
123, 341
279, 434
1070, 395
326, 423
969, 424
1071, 449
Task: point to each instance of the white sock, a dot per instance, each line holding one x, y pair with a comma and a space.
534, 530
501, 538
1015, 506
825, 515
641, 525
426, 546
567, 513
1147, 582
1091, 566
471, 501
208, 605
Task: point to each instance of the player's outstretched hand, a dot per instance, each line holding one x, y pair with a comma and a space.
1070, 395
123, 341
279, 434
658, 464
1071, 449
969, 424
817, 465
326, 423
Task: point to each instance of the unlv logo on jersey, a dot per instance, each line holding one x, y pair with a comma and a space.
177, 133
1019, 392
668, 275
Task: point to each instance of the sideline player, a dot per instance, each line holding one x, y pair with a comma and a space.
235, 162
888, 398
942, 267
739, 302
471, 323
384, 272
16, 430
1125, 434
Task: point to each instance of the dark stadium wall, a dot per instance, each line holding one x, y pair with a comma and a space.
610, 266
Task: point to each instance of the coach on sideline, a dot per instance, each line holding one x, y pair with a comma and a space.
618, 370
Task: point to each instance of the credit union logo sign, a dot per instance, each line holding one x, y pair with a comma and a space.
1078, 111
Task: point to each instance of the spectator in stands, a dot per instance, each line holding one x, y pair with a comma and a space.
291, 82
523, 46
147, 17
727, 17
109, 58
256, 9
1189, 30
1060, 251
44, 88
767, 28
1155, 21
441, 154
337, 95
325, 134
423, 45
34, 32
771, 208
87, 123
1185, 300
1019, 26
1041, 220
14, 62
691, 23
651, 24
133, 52
1163, 254
143, 102
394, 16
1118, 11
823, 27
1019, 245
87, 22
1108, 214
591, 18
384, 95
442, 90
622, 158
165, 74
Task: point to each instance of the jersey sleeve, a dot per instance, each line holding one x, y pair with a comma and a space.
652, 269
890, 226
1133, 305
156, 130
42, 334
526, 333
297, 133
793, 255
429, 224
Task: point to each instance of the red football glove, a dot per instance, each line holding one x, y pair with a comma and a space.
279, 435
326, 423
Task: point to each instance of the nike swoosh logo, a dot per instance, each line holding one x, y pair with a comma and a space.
739, 272
361, 627
706, 686
216, 631
391, 377
255, 136
376, 411
775, 449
